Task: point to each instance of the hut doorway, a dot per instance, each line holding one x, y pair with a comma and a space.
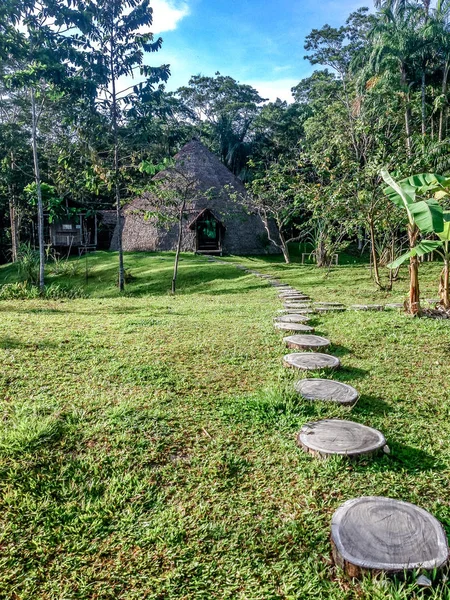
208, 233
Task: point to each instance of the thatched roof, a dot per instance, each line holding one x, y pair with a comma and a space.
215, 188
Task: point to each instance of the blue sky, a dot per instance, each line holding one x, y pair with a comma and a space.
259, 43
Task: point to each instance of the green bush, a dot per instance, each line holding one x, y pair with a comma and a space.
55, 291
62, 266
28, 263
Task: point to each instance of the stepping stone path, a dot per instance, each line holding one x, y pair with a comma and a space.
381, 534
294, 327
311, 361
368, 533
306, 342
367, 307
327, 390
294, 318
336, 436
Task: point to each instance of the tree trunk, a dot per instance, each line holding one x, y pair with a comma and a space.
445, 283
376, 272
443, 108
284, 248
13, 217
121, 278
177, 253
424, 108
404, 82
414, 291
408, 131
40, 208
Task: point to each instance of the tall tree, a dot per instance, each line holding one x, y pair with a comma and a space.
46, 65
225, 110
118, 45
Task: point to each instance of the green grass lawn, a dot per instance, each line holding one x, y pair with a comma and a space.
147, 442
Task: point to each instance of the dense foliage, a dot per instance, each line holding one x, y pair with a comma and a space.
378, 99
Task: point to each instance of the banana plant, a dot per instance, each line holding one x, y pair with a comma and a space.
444, 251
425, 216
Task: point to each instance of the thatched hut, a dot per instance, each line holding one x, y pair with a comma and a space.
214, 220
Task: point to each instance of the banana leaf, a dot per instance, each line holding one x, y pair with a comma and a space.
424, 247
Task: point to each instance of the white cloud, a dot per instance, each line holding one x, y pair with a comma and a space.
277, 88
167, 14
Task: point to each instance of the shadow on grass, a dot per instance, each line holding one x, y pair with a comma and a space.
401, 458
371, 405
8, 343
348, 374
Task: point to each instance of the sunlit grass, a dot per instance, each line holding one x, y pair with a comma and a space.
147, 442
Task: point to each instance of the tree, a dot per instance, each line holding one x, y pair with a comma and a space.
172, 191
272, 195
225, 110
46, 66
118, 46
424, 216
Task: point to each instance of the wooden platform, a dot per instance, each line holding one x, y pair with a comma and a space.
306, 342
344, 438
376, 534
311, 361
327, 390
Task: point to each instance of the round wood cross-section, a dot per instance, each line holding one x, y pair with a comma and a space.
327, 390
306, 342
311, 361
394, 306
327, 309
367, 307
373, 533
336, 436
302, 309
294, 318
296, 311
328, 304
294, 327
297, 298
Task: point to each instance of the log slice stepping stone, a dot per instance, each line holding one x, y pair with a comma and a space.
294, 318
373, 533
293, 327
296, 298
295, 295
367, 307
327, 390
327, 309
311, 361
306, 342
394, 305
297, 311
327, 304
336, 436
302, 309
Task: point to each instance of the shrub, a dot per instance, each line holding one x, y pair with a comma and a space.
55, 291
28, 263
